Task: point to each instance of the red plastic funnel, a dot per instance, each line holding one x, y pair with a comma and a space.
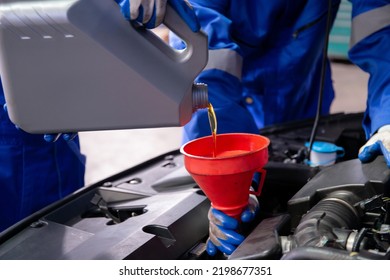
226, 178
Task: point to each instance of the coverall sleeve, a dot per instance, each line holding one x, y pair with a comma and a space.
370, 50
222, 74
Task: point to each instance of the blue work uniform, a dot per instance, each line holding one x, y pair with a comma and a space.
34, 173
265, 58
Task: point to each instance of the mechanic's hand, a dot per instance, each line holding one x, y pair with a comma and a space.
222, 230
378, 144
49, 137
151, 12
54, 137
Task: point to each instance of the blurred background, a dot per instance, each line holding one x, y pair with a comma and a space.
109, 152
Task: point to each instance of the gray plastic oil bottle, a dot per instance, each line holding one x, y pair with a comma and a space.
78, 65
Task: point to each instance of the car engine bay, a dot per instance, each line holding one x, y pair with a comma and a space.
156, 211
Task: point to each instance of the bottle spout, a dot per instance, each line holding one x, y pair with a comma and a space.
200, 98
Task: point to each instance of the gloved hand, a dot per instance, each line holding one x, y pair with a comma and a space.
50, 137
222, 229
54, 137
378, 144
151, 12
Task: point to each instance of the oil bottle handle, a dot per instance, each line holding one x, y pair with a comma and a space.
261, 183
99, 19
196, 42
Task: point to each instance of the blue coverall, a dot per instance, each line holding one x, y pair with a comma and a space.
264, 67
265, 61
34, 173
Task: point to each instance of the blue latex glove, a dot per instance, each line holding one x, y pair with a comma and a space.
50, 137
151, 12
378, 144
54, 137
222, 229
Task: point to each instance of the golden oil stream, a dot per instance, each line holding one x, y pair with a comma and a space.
213, 126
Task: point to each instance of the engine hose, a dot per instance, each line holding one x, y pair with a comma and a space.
316, 227
359, 239
316, 253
